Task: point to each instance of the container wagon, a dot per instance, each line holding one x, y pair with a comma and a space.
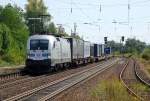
77, 50
100, 52
80, 49
103, 51
96, 52
91, 52
86, 51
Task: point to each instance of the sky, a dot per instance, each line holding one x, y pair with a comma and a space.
94, 22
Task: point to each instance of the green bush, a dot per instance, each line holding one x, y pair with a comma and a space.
146, 54
15, 56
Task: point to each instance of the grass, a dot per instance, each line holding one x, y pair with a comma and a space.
146, 64
4, 63
111, 90
7, 64
120, 55
141, 88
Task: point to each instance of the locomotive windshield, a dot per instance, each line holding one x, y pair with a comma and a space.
39, 44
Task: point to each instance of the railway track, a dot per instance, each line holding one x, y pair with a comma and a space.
130, 78
51, 89
141, 75
8, 77
15, 78
11, 88
20, 80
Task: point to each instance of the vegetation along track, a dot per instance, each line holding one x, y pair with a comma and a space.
134, 83
51, 89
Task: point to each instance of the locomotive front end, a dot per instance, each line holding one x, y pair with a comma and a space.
38, 54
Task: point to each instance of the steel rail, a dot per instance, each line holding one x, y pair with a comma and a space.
125, 85
139, 77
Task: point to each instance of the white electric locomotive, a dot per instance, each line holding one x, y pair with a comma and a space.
45, 52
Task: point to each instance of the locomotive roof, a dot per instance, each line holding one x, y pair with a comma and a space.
51, 38
41, 36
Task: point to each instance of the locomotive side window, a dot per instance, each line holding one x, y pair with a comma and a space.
39, 44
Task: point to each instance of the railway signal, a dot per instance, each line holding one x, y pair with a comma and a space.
122, 46
105, 40
122, 38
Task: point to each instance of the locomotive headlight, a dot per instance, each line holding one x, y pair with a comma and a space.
30, 55
49, 55
46, 55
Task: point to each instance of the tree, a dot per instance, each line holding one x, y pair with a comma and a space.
34, 9
76, 36
1, 8
52, 28
13, 33
5, 39
146, 54
39, 20
133, 45
12, 17
116, 47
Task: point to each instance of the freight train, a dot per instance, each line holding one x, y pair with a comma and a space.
47, 52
